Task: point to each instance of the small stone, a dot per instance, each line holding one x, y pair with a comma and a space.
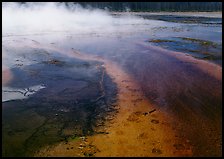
154, 121
156, 151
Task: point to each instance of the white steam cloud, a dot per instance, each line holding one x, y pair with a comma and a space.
42, 17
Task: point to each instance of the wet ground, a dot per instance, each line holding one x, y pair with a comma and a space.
51, 96
73, 99
187, 93
200, 49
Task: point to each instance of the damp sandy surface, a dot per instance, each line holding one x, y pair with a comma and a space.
135, 131
139, 128
188, 89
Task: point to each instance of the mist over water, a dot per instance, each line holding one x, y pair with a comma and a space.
54, 17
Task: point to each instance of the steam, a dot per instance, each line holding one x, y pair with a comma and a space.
42, 17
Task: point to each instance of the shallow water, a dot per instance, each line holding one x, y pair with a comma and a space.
68, 104
200, 49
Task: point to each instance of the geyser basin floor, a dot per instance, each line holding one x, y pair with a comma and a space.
169, 103
137, 126
75, 98
134, 128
